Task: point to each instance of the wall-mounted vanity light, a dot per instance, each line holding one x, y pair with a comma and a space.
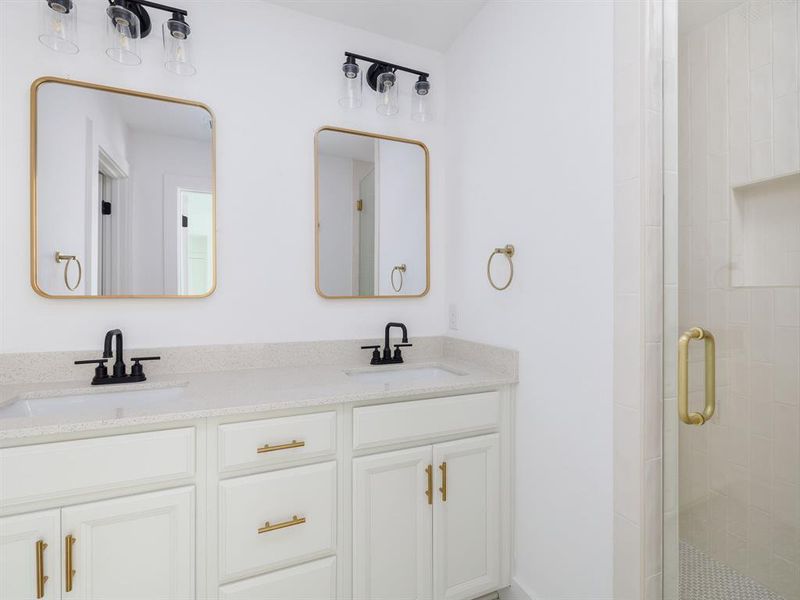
128, 22
59, 29
382, 78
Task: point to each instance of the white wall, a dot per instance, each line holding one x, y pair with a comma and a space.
401, 230
336, 203
159, 162
529, 126
74, 124
271, 77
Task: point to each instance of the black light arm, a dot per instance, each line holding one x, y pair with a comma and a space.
392, 66
157, 6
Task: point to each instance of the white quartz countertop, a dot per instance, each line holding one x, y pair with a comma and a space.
235, 392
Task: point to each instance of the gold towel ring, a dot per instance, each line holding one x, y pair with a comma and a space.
508, 251
400, 269
68, 258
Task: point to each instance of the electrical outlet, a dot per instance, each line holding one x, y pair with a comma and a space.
453, 317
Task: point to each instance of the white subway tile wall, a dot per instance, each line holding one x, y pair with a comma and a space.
639, 299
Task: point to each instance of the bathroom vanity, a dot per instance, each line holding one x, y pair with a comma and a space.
292, 482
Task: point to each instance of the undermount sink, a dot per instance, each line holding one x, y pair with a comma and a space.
400, 374
103, 404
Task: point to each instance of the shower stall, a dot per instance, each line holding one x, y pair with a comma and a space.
732, 303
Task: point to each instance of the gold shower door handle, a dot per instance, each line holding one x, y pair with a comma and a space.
696, 333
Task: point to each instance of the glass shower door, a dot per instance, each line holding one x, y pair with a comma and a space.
732, 307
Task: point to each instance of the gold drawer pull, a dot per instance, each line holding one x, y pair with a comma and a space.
41, 578
268, 448
443, 489
69, 542
291, 523
429, 490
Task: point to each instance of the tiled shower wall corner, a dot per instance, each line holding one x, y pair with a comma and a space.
638, 292
739, 139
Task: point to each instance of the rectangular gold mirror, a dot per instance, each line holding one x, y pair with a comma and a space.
372, 215
123, 201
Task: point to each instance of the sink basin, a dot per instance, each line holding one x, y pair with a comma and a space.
104, 404
389, 375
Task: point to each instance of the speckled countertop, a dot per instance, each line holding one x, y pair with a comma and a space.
195, 395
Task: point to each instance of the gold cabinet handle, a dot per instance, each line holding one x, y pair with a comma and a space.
693, 418
443, 489
41, 578
69, 542
290, 523
268, 448
429, 490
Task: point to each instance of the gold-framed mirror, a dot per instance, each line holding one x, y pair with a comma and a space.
372, 215
123, 193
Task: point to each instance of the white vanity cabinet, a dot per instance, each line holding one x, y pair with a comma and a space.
402, 499
426, 522
136, 545
29, 556
392, 526
131, 547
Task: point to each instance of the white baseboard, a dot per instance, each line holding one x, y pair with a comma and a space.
516, 592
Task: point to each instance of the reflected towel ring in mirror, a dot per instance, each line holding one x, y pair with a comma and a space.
399, 269
508, 251
68, 258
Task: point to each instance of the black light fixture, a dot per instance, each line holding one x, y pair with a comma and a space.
382, 78
128, 22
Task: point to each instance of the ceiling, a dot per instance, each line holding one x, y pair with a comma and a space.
344, 145
433, 24
163, 118
696, 13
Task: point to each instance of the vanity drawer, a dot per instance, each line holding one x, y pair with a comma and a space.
58, 469
311, 581
248, 546
276, 441
421, 419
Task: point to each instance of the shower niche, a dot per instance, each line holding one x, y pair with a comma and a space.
765, 233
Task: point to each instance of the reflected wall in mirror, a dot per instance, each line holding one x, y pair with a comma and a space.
371, 215
122, 193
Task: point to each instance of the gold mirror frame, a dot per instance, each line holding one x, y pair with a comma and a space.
390, 138
33, 170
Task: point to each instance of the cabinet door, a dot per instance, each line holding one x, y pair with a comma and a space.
466, 525
132, 548
25, 560
392, 526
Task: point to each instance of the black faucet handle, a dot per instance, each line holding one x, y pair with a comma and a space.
398, 355
96, 361
136, 369
376, 355
100, 371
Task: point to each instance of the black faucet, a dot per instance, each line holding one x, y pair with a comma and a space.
118, 375
119, 364
388, 357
